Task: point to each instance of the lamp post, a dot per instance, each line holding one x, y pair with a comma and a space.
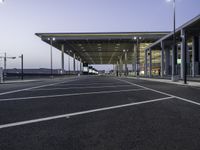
5, 62
51, 56
22, 66
174, 36
51, 59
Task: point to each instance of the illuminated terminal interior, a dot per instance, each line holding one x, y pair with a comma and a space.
123, 50
133, 53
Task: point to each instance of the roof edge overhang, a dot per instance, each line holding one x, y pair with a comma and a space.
178, 30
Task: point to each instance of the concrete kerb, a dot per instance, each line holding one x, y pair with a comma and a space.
189, 83
20, 81
36, 80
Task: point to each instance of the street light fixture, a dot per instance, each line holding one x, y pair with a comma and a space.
5, 59
51, 56
5, 64
174, 32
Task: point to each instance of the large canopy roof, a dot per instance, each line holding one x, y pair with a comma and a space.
100, 48
192, 28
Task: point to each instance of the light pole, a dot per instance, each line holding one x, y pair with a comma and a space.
22, 66
51, 56
5, 61
174, 37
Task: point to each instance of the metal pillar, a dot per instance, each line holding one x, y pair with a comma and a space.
183, 56
5, 61
74, 63
120, 66
199, 51
174, 62
22, 66
77, 65
135, 59
51, 56
162, 59
167, 61
1, 74
138, 57
150, 62
146, 64
195, 55
80, 65
117, 70
69, 63
174, 50
5, 65
62, 57
126, 68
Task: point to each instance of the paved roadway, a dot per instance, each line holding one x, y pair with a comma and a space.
99, 113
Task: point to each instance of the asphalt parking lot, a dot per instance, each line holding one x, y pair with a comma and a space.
99, 113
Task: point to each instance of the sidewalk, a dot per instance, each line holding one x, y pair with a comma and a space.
38, 79
20, 81
180, 82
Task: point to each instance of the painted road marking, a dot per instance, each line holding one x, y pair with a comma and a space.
177, 97
89, 84
72, 94
90, 87
80, 113
35, 87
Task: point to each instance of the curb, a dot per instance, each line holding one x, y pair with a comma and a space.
189, 83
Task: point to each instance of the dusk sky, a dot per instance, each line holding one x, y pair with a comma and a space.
21, 19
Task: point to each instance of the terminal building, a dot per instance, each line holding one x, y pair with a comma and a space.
134, 53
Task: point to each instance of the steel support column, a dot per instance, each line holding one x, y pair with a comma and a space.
167, 61
117, 69
162, 59
183, 56
80, 65
135, 59
121, 66
69, 62
62, 57
74, 62
126, 68
174, 62
150, 62
195, 55
145, 64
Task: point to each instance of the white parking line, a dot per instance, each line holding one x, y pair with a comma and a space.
72, 94
80, 113
89, 84
171, 95
35, 87
89, 87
